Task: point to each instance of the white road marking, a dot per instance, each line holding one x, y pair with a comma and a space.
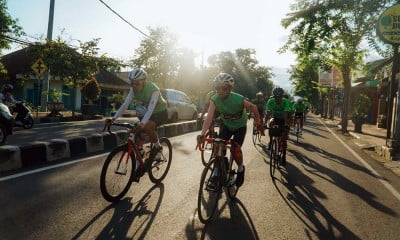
50, 167
384, 183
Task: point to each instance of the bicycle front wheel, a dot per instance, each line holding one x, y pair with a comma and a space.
208, 149
209, 193
231, 187
273, 157
159, 167
116, 174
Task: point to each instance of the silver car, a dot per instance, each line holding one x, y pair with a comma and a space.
180, 106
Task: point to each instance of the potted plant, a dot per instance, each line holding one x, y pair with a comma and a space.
360, 111
115, 101
91, 91
55, 104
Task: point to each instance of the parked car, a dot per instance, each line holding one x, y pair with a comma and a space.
180, 106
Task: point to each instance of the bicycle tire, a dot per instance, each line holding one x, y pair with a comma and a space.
207, 201
231, 187
116, 195
157, 174
207, 146
273, 157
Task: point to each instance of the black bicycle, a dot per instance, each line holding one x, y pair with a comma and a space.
120, 170
256, 134
276, 148
220, 173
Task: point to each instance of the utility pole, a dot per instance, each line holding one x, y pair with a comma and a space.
45, 88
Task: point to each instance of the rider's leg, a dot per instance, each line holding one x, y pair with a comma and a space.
237, 142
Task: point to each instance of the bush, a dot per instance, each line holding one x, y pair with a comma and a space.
91, 89
361, 107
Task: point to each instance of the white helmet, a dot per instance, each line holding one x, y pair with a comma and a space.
137, 75
299, 100
223, 78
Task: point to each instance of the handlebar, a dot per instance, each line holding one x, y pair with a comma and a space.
125, 125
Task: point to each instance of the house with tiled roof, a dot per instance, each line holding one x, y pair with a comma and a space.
28, 86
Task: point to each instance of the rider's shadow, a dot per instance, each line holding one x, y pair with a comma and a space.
124, 216
238, 225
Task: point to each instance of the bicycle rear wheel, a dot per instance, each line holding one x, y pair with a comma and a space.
208, 149
256, 135
273, 155
116, 174
159, 168
207, 201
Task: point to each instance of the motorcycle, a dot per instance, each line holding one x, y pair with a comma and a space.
24, 116
6, 123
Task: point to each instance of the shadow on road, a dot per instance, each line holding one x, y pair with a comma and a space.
124, 216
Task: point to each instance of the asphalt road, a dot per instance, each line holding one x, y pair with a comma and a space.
328, 190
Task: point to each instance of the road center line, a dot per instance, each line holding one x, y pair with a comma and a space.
49, 167
380, 179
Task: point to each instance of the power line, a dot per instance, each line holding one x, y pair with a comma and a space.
130, 24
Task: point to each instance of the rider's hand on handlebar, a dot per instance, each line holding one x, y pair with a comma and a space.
200, 139
261, 129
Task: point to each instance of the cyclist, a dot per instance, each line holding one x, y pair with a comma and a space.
260, 102
278, 109
299, 109
206, 105
150, 106
232, 110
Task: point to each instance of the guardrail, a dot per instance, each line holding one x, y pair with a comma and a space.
16, 157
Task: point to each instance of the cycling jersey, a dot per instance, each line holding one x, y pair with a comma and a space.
231, 110
299, 107
149, 97
276, 109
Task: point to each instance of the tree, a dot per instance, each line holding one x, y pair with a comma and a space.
9, 29
159, 55
91, 90
333, 31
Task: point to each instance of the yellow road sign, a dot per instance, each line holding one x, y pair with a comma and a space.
39, 67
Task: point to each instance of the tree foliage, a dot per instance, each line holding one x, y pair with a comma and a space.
332, 32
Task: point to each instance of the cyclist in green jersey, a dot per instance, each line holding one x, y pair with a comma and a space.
278, 109
260, 102
232, 111
151, 107
299, 109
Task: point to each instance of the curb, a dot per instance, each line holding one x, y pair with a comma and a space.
17, 157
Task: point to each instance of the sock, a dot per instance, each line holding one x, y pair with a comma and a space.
240, 168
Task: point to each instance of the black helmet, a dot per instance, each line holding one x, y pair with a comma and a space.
7, 88
277, 92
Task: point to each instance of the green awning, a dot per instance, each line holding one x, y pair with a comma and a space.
372, 83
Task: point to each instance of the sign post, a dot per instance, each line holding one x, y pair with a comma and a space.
388, 29
40, 69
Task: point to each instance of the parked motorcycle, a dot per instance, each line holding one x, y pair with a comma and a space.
6, 123
24, 116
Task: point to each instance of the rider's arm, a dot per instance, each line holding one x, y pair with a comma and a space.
254, 110
150, 108
208, 121
125, 105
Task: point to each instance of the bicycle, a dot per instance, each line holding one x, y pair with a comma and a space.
219, 174
276, 148
297, 126
207, 146
256, 134
120, 170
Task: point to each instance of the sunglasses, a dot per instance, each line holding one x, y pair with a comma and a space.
221, 88
136, 83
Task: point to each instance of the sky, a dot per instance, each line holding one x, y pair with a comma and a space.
205, 26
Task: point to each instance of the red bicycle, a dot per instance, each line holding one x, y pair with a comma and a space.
120, 168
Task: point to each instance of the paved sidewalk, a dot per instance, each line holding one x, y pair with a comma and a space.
373, 141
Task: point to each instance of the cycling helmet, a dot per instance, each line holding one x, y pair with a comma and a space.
137, 75
299, 100
259, 94
223, 78
7, 88
277, 92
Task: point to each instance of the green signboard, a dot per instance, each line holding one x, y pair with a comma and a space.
388, 25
